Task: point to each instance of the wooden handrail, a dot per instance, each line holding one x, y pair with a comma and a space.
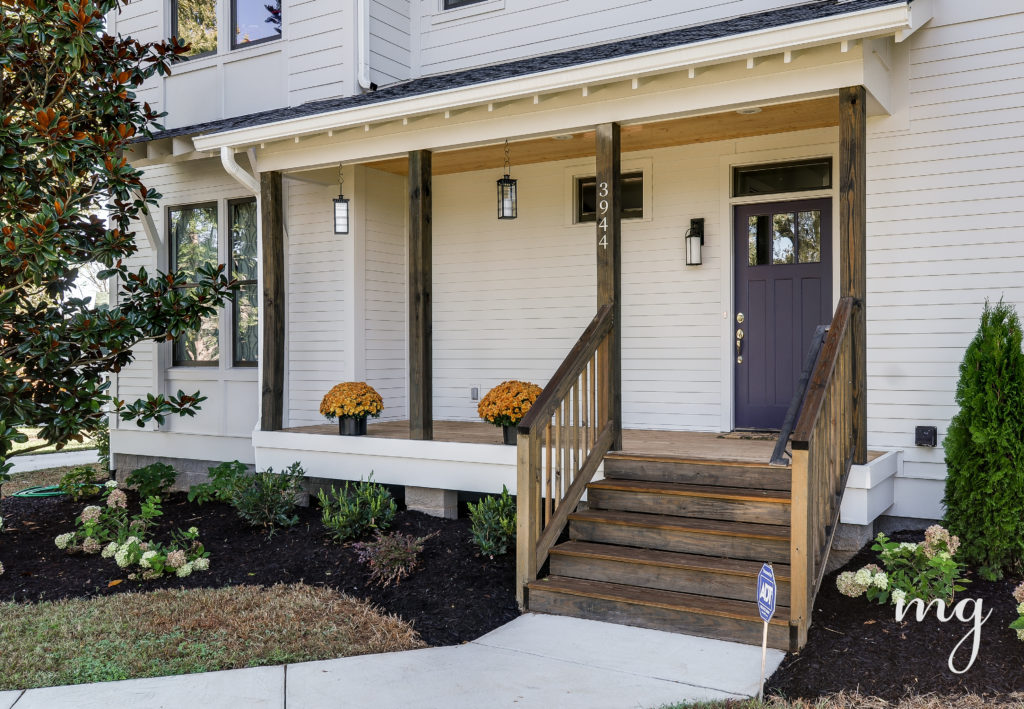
562, 379
823, 444
562, 440
797, 402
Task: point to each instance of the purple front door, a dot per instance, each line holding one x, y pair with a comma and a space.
783, 292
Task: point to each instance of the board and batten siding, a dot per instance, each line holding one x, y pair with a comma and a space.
945, 228
231, 407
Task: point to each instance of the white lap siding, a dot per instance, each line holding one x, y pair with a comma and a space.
944, 228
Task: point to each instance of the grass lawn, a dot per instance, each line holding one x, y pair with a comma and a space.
168, 632
856, 701
48, 476
32, 441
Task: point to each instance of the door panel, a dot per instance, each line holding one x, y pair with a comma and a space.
783, 277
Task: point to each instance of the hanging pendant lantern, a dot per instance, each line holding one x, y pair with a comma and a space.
341, 206
507, 207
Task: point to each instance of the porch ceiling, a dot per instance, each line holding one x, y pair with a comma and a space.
779, 118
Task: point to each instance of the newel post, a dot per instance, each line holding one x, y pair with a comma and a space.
527, 513
609, 265
853, 249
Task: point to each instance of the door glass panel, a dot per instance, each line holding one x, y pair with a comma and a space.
759, 243
784, 239
809, 233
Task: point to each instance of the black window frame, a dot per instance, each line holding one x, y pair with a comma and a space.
458, 4
174, 32
590, 182
172, 262
234, 23
737, 170
235, 362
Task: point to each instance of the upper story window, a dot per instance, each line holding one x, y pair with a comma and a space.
255, 21
251, 22
193, 242
454, 4
195, 22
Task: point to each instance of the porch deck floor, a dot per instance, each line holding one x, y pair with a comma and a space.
677, 444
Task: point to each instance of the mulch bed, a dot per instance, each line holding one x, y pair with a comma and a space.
858, 646
454, 596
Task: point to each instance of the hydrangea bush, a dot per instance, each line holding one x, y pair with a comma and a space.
924, 570
1018, 625
109, 531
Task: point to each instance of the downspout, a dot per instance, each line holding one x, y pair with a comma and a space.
363, 45
252, 184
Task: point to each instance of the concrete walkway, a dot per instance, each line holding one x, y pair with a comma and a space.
41, 461
534, 661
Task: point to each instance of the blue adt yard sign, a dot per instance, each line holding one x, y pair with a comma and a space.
766, 592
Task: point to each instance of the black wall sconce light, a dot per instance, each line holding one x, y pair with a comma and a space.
694, 242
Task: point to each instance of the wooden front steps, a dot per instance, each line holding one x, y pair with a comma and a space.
675, 544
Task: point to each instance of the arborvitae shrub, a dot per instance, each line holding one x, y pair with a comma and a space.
985, 447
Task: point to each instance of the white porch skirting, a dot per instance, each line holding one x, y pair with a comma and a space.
470, 467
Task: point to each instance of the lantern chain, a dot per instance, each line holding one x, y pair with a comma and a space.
508, 159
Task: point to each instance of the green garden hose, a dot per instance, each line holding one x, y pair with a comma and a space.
39, 491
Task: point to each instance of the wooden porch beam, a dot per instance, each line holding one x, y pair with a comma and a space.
853, 247
273, 315
421, 414
609, 262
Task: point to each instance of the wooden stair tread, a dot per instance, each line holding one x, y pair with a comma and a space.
670, 600
671, 559
725, 460
684, 524
693, 490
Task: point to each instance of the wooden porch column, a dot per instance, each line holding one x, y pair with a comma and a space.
853, 247
272, 283
421, 414
609, 261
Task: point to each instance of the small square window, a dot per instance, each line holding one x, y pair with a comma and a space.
632, 197
254, 21
455, 4
195, 22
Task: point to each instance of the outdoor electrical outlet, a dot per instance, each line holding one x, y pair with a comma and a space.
474, 393
926, 436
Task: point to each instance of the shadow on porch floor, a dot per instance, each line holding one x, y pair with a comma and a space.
676, 444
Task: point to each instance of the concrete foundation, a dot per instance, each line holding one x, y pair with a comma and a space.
432, 501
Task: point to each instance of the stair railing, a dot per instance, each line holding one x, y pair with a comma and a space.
823, 449
562, 440
797, 402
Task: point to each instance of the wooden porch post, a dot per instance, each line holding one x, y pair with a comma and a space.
421, 414
853, 247
272, 346
609, 262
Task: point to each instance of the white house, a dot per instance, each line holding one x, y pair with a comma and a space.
849, 163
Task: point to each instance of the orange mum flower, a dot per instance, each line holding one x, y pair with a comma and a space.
352, 399
507, 403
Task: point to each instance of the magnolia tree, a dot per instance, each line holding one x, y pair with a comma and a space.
69, 109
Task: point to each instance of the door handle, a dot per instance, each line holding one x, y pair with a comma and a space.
739, 346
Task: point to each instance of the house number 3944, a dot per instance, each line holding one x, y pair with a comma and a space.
602, 213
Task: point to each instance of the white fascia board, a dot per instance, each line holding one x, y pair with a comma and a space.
920, 13
888, 20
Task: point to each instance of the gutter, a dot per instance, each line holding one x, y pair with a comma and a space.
231, 166
888, 20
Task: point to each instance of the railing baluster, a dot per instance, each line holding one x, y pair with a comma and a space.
547, 471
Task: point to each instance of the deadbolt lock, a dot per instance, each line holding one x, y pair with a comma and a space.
740, 318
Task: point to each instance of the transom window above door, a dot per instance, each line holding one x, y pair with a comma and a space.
784, 238
782, 178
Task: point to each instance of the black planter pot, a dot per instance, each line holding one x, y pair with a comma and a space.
348, 426
510, 435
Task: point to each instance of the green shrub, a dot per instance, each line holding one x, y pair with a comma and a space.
102, 438
391, 557
153, 480
356, 508
269, 499
80, 483
493, 523
985, 447
263, 499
